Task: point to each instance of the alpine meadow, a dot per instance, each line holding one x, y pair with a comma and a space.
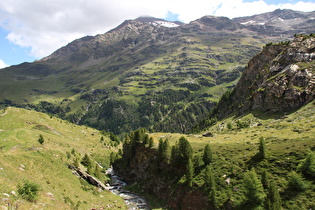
217, 113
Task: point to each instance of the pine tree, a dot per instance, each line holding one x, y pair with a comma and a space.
166, 151
265, 179
254, 191
151, 141
97, 171
189, 172
273, 201
185, 151
262, 148
207, 155
308, 164
90, 169
86, 161
209, 179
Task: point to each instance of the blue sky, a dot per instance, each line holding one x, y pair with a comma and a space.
33, 29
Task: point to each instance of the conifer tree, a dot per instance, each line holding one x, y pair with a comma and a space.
97, 171
273, 201
265, 179
189, 172
166, 151
207, 155
90, 169
86, 161
151, 141
209, 179
254, 191
262, 148
308, 164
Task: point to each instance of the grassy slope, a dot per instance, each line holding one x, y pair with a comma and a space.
287, 140
23, 158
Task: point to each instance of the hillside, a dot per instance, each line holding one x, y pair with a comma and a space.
235, 151
23, 158
146, 72
260, 140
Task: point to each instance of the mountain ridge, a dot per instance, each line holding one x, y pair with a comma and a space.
190, 65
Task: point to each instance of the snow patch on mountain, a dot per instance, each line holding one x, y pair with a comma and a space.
253, 22
165, 24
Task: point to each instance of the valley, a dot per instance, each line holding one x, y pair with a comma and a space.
217, 113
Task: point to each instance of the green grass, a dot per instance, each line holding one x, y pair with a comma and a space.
288, 138
22, 157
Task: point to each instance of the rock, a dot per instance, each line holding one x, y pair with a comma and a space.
6, 195
207, 134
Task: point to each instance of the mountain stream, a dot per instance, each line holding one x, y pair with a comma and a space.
132, 200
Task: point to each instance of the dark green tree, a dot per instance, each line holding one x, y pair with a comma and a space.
265, 179
90, 169
209, 179
151, 141
41, 139
97, 171
86, 161
207, 155
262, 148
307, 166
189, 172
254, 191
296, 182
273, 199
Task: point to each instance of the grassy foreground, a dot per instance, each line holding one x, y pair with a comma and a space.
23, 158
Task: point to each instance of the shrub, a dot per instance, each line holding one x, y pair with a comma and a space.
41, 139
29, 191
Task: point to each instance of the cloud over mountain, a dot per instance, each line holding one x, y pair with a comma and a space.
44, 26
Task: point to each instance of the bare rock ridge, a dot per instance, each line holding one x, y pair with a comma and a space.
279, 79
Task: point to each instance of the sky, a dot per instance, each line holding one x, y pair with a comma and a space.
33, 29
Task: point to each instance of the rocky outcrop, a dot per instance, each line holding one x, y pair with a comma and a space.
279, 79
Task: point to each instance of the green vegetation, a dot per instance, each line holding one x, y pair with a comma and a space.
49, 183
29, 191
265, 165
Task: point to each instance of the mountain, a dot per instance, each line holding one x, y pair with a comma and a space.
259, 136
279, 80
281, 23
142, 73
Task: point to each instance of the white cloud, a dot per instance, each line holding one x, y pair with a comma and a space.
47, 25
2, 64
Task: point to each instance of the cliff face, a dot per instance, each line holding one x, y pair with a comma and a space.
279, 79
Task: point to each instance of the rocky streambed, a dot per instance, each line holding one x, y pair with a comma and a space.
132, 200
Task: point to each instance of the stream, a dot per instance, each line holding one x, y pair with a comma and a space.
132, 200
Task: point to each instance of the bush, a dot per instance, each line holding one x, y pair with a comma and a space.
29, 191
41, 139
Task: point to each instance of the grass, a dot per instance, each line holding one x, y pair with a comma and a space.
288, 138
22, 157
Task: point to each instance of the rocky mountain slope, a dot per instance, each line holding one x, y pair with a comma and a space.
280, 79
145, 73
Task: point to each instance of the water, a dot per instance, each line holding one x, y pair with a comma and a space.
132, 200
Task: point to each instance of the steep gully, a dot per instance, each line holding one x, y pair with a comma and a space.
132, 200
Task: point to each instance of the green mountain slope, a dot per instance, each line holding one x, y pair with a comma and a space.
142, 74
23, 158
